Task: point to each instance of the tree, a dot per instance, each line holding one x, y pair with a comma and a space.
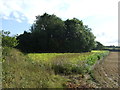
79, 36
8, 41
99, 46
49, 31
51, 34
25, 42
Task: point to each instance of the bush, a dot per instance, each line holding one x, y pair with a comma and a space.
8, 41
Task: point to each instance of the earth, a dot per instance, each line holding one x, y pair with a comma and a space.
105, 74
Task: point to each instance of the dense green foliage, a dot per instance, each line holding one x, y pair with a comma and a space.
51, 34
99, 46
8, 41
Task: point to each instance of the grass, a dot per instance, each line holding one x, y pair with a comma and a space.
44, 70
20, 72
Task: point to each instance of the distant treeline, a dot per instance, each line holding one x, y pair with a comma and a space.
112, 48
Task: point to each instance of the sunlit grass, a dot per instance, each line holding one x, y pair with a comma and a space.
43, 56
99, 51
19, 71
68, 62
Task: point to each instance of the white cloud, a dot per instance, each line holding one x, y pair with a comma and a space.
110, 30
16, 15
18, 20
73, 8
105, 13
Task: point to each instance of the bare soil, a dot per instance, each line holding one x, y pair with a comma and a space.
106, 72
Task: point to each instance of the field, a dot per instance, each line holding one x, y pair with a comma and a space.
49, 70
68, 63
106, 73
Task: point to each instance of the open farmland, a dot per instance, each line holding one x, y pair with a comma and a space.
68, 63
50, 70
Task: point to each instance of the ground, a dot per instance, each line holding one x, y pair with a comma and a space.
106, 72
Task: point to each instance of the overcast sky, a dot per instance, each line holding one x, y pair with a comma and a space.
101, 16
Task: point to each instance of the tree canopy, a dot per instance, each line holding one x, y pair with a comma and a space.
8, 41
99, 46
51, 34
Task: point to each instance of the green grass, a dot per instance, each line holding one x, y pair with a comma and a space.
43, 70
20, 72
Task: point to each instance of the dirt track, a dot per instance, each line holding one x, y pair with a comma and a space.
106, 72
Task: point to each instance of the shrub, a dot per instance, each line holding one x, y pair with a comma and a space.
8, 41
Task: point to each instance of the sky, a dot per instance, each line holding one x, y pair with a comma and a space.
101, 16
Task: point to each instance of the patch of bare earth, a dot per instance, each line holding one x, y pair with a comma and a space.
106, 72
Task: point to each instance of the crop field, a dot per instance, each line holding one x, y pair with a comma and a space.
48, 70
68, 63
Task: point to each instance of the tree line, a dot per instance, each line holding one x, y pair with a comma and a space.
50, 34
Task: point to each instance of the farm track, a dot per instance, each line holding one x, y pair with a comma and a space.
106, 72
